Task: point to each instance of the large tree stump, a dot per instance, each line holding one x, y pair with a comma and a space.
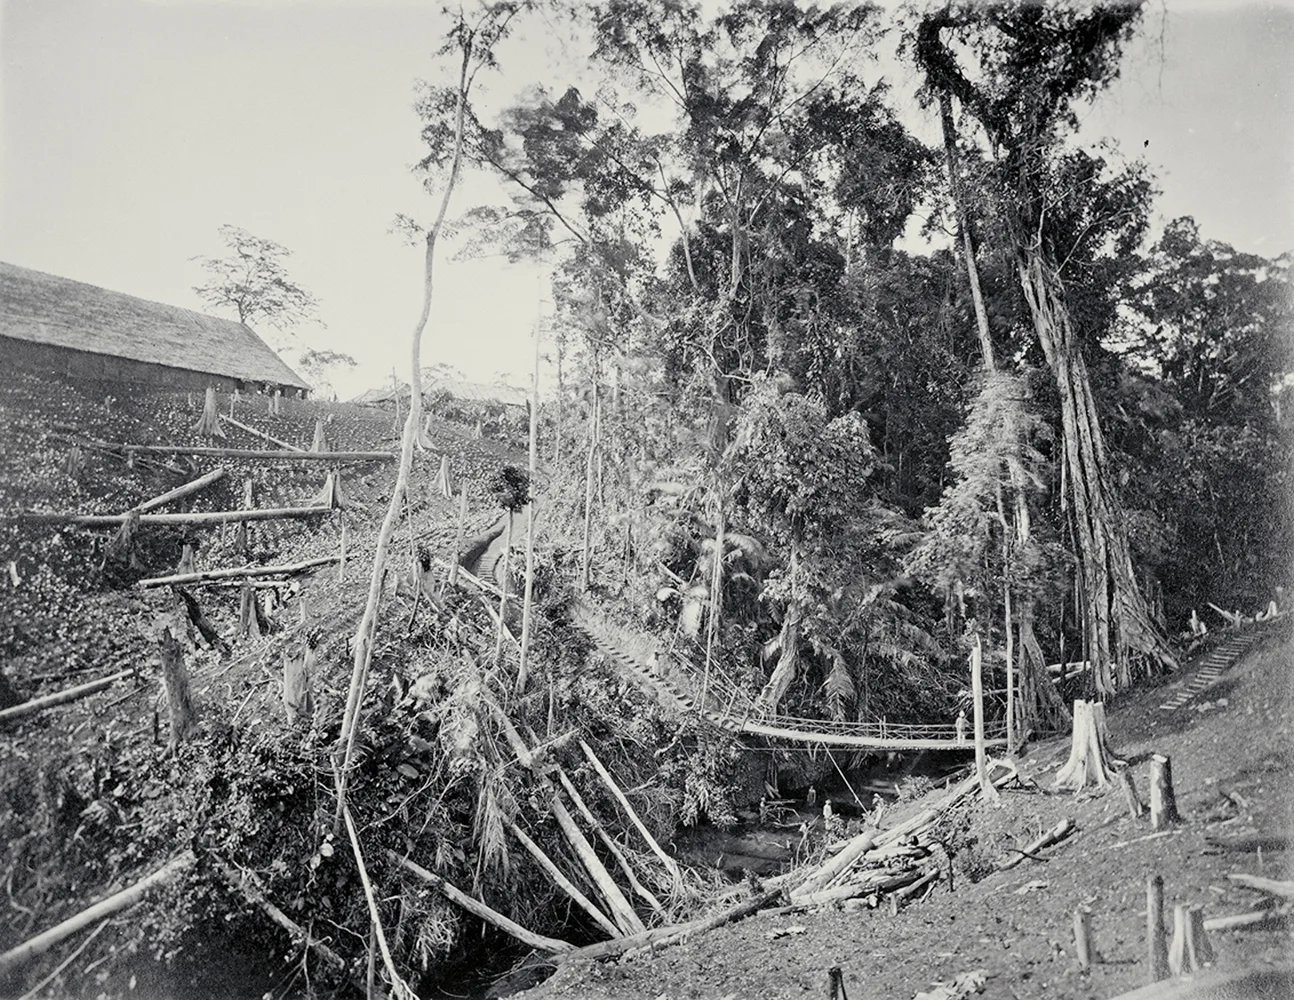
1163, 800
209, 423
1089, 758
175, 679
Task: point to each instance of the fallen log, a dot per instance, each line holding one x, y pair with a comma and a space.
247, 454
738, 912
1282, 890
193, 486
479, 909
63, 697
249, 887
236, 573
42, 942
565, 884
670, 864
1057, 833
1242, 921
261, 434
196, 517
1250, 843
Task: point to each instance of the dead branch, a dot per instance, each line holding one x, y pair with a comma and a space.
237, 573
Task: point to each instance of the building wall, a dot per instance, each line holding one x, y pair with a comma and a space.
84, 364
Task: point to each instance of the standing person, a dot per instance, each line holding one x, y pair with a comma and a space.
960, 726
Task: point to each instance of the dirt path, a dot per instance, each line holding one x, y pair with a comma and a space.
1232, 746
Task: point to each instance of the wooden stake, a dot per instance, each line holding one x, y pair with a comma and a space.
1156, 939
42, 942
1083, 937
565, 884
62, 697
479, 909
1163, 800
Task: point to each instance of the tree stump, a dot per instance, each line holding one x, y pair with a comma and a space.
320, 442
1190, 950
188, 563
175, 678
298, 697
243, 535
444, 482
209, 423
1163, 800
1089, 759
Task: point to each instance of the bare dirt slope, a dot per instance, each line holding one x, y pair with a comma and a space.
1232, 754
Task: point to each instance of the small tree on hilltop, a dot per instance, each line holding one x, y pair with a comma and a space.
252, 281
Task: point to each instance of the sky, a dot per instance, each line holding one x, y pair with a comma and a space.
130, 130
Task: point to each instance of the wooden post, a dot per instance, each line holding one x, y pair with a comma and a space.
1163, 800
981, 755
175, 678
1083, 937
1156, 939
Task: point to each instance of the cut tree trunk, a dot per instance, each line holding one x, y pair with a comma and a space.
1117, 620
209, 423
563, 883
261, 434
981, 753
206, 576
1083, 946
320, 440
1190, 950
201, 483
196, 518
444, 484
1163, 800
1089, 759
1133, 801
62, 697
298, 697
179, 702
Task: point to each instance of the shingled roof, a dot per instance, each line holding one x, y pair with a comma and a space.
46, 309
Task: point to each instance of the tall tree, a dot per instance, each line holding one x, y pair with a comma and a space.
1029, 65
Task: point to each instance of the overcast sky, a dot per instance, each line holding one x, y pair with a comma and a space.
132, 129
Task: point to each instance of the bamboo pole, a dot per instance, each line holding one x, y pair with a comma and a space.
481, 910
237, 573
62, 697
528, 600
42, 942
670, 864
261, 434
193, 486
201, 517
565, 884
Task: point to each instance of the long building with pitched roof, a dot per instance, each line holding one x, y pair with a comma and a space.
57, 324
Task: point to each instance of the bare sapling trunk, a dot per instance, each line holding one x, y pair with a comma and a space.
527, 604
1163, 799
209, 423
714, 620
1089, 757
981, 753
589, 468
364, 632
1117, 622
175, 678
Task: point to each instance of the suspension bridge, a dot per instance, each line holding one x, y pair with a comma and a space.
729, 706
